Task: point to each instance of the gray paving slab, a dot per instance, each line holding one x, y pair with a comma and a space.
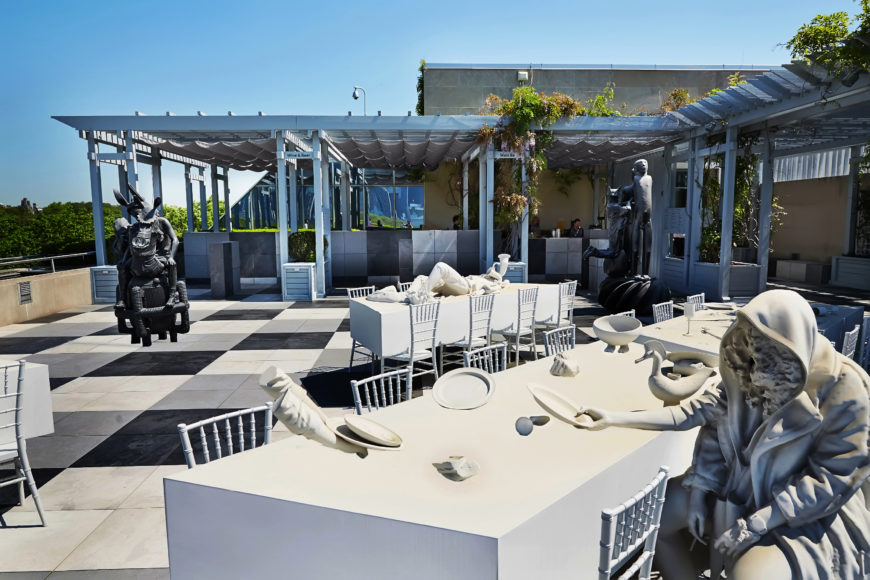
24, 575
193, 400
74, 365
60, 451
92, 422
214, 382
66, 329
124, 574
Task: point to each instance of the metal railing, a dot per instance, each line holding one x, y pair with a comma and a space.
15, 260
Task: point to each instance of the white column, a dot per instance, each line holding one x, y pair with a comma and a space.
215, 196
157, 177
481, 208
203, 202
326, 183
852, 201
728, 179
228, 214
294, 217
97, 200
281, 179
596, 196
693, 204
490, 208
765, 209
320, 269
465, 195
132, 166
659, 244
188, 195
524, 222
345, 197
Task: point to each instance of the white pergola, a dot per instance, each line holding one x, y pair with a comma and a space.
795, 109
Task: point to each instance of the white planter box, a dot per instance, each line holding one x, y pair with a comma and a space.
298, 281
517, 272
850, 272
104, 282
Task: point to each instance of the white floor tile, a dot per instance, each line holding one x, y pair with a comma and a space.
149, 494
89, 488
128, 401
71, 402
38, 549
226, 326
341, 340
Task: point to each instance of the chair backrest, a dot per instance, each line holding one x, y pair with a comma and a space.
527, 298
382, 390
360, 292
864, 344
697, 300
480, 317
234, 426
424, 322
11, 396
492, 359
631, 528
850, 342
663, 311
559, 340
403, 286
567, 292
630, 313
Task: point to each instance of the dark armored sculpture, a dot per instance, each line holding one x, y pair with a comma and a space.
150, 299
626, 261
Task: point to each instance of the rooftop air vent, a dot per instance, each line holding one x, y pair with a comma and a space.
25, 294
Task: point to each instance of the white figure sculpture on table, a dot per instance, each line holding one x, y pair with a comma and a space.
444, 280
780, 471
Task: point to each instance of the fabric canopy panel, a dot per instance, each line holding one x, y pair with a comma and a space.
568, 153
250, 155
406, 151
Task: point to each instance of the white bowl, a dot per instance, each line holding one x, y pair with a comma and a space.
617, 330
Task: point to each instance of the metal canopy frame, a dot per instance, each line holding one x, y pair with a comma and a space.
797, 109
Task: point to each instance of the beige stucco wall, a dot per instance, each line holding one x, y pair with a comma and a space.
51, 293
555, 205
816, 218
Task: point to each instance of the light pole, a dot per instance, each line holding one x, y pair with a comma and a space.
356, 91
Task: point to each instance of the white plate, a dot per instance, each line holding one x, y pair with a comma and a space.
372, 431
463, 389
559, 406
345, 433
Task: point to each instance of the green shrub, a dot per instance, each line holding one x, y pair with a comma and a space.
301, 246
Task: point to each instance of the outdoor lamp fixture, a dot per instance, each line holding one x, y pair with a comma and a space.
356, 91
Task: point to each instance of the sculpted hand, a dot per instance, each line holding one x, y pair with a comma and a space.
600, 419
170, 262
736, 540
697, 514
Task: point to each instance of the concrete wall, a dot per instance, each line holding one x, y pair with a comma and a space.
456, 90
51, 293
816, 219
258, 253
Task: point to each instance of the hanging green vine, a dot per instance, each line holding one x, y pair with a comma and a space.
522, 128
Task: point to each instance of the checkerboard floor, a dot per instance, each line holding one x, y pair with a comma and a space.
116, 407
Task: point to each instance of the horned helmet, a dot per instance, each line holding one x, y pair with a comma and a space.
137, 206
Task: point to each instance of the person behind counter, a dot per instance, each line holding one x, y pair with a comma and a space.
576, 230
535, 227
457, 222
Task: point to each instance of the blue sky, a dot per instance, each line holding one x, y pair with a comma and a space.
67, 57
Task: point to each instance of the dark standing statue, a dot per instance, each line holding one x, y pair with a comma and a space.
149, 294
626, 260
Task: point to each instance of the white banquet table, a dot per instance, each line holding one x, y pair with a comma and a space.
297, 509
385, 328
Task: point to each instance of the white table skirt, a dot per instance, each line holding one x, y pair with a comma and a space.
297, 509
36, 415
385, 328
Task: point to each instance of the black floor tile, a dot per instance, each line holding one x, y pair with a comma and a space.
134, 450
53, 317
9, 494
157, 363
244, 314
284, 340
56, 382
320, 304
31, 344
331, 387
344, 326
108, 331
165, 421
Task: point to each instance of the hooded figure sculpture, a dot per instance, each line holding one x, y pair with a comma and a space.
780, 471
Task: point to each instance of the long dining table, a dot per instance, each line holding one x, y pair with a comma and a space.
385, 328
298, 509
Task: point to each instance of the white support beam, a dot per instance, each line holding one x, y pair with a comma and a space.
157, 178
471, 154
852, 201
659, 246
281, 178
97, 201
215, 207
203, 203
326, 183
188, 196
294, 212
490, 204
228, 214
345, 196
130, 163
481, 211
728, 185
320, 269
596, 195
524, 222
765, 209
465, 195
696, 215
